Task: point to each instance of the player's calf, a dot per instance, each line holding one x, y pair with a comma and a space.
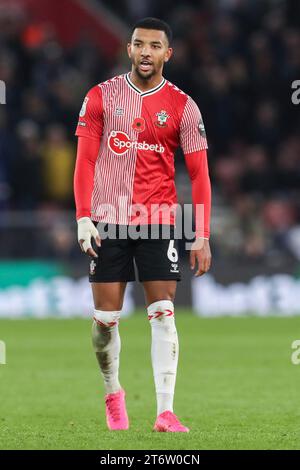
164, 352
107, 346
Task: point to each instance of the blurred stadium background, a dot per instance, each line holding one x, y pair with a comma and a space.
237, 59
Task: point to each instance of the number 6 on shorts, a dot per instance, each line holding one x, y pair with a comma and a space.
172, 252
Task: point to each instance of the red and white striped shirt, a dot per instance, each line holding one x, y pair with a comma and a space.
138, 134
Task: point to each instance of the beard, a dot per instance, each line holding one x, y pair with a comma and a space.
144, 75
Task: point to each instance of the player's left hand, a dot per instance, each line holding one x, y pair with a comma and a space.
200, 252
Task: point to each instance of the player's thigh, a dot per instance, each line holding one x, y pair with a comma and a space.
114, 262
108, 296
159, 290
157, 260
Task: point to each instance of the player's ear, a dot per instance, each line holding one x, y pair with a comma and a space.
129, 50
168, 54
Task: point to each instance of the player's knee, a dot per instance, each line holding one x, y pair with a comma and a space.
166, 294
170, 295
105, 318
108, 305
162, 313
102, 328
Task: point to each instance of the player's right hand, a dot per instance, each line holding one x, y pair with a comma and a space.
85, 231
200, 253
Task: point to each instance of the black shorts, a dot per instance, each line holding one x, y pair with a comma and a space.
155, 258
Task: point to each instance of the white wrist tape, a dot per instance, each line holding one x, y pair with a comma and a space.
86, 230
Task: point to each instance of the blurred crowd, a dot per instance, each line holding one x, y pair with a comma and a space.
236, 58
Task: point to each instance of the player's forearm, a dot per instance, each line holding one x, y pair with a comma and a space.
87, 154
197, 166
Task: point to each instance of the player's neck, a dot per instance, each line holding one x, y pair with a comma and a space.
145, 84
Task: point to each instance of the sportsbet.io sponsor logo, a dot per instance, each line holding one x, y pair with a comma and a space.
119, 143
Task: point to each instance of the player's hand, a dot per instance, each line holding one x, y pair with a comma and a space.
87, 230
200, 252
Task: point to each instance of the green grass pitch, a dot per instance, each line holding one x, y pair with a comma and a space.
236, 385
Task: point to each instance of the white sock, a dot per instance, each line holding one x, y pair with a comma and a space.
164, 352
107, 345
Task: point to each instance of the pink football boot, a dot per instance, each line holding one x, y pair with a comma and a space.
116, 414
168, 422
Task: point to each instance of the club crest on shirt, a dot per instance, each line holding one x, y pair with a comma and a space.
162, 118
139, 124
92, 267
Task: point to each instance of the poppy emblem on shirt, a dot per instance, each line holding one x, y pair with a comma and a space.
162, 118
139, 124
